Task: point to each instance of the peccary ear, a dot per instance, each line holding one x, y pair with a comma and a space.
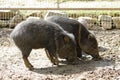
90, 36
66, 38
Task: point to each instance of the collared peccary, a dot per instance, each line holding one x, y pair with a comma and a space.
85, 40
34, 34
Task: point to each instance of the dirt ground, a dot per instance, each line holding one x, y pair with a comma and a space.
13, 68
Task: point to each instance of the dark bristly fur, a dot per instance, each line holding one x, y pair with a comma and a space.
34, 34
85, 40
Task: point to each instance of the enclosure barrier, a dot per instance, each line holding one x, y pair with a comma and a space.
59, 8
12, 19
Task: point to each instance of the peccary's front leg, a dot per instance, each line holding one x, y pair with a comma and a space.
48, 55
52, 56
96, 57
79, 52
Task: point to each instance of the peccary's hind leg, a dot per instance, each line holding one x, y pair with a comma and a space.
25, 54
27, 63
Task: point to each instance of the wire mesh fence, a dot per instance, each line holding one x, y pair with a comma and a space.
59, 3
4, 38
100, 18
14, 11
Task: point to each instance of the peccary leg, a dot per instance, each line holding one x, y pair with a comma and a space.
52, 56
79, 52
25, 54
48, 55
27, 63
96, 57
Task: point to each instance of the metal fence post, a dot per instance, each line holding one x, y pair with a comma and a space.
58, 4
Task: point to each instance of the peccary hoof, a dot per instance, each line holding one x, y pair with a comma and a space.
84, 58
96, 58
72, 62
56, 63
31, 69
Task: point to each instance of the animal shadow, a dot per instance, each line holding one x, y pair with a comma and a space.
82, 66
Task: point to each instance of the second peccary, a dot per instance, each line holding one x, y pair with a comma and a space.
85, 40
34, 34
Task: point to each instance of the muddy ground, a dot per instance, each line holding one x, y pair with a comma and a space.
13, 68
